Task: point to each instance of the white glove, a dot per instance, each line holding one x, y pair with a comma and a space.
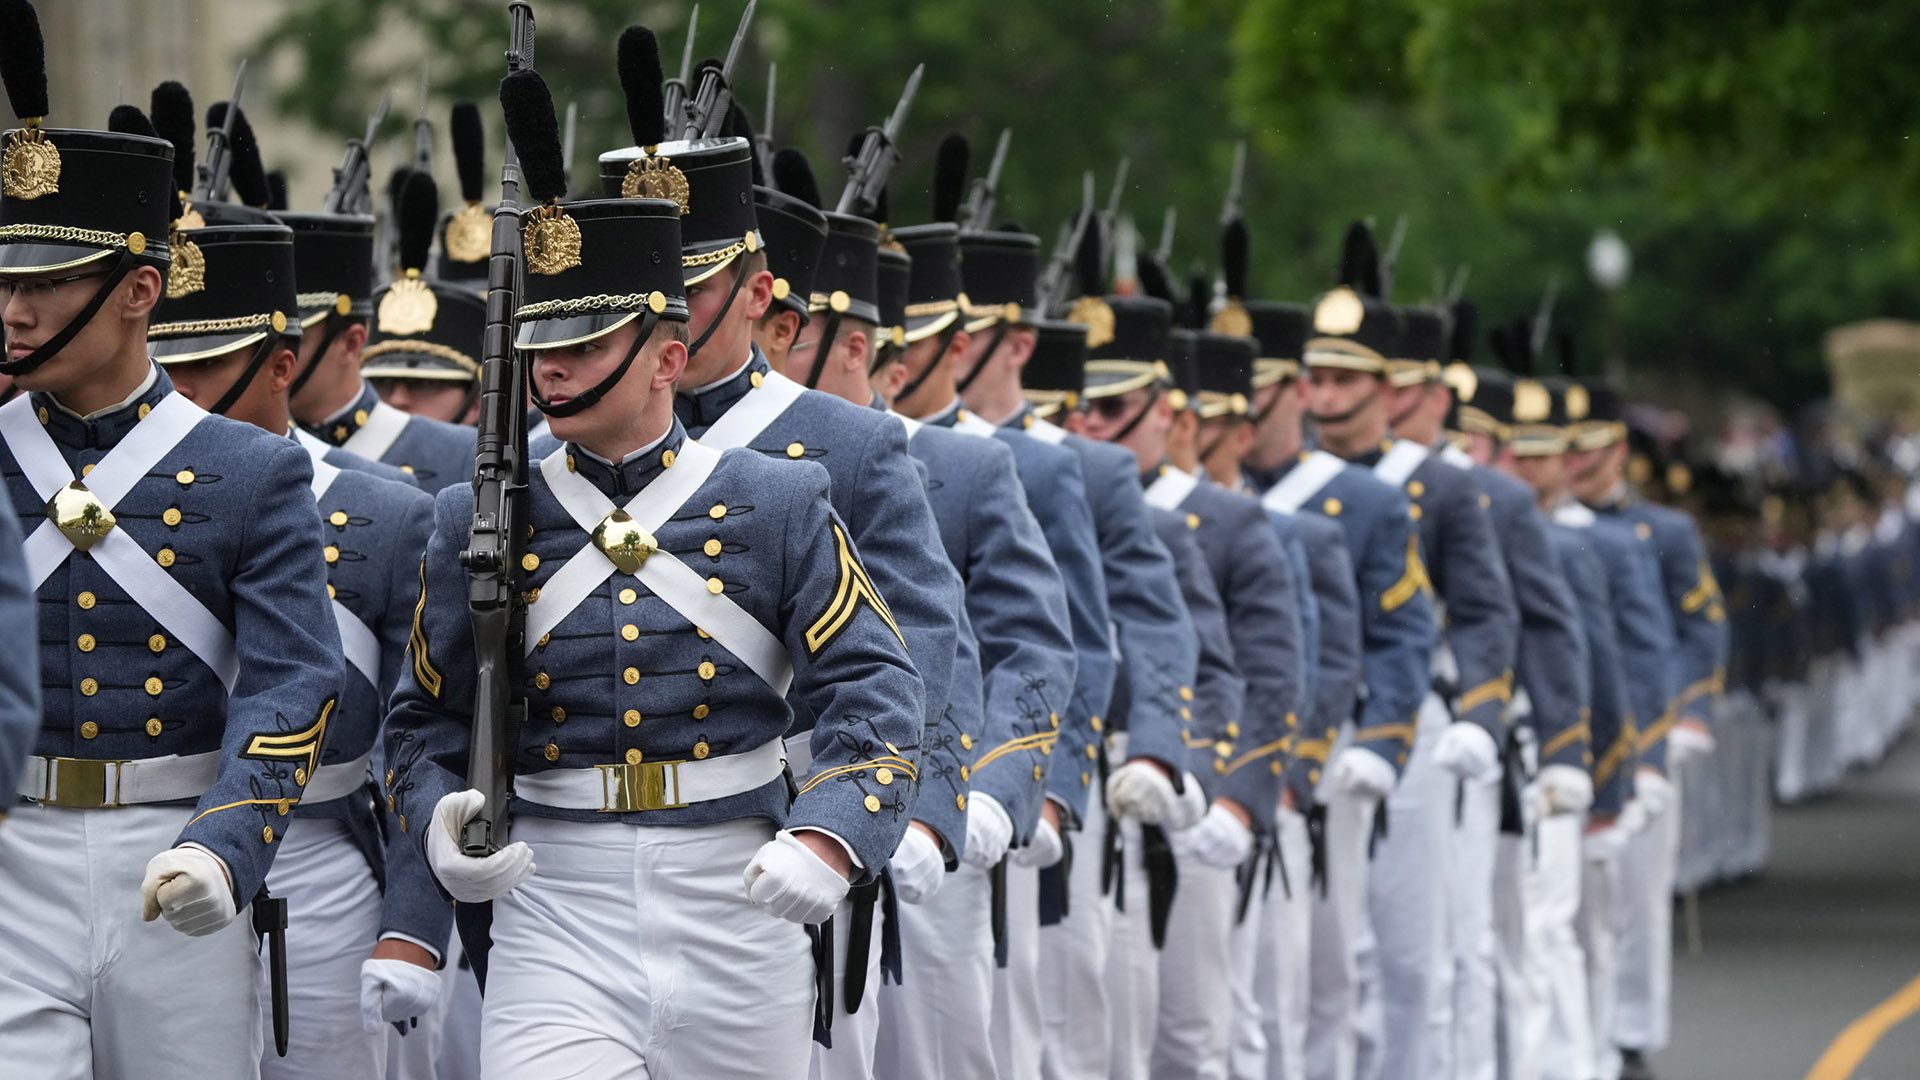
1361, 774
188, 885
1606, 843
467, 878
793, 883
395, 990
1468, 752
918, 869
1632, 819
1687, 741
1043, 848
1653, 792
1565, 789
1219, 840
989, 831
1142, 791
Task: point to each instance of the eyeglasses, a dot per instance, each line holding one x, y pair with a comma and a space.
1111, 408
36, 290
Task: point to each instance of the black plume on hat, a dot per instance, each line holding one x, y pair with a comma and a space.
1153, 279
950, 176
397, 187
172, 110
638, 57
1466, 327
738, 126
248, 175
793, 175
1090, 260
1233, 255
419, 210
528, 107
129, 120
1198, 294
1360, 260
1567, 352
277, 190
469, 153
23, 58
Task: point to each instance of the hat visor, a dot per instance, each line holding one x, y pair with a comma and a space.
185, 350
797, 304
48, 258
570, 329
864, 310
694, 268
1111, 378
925, 326
402, 366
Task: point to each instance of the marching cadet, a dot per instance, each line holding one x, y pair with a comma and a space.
333, 867
1131, 401
1157, 653
1454, 751
792, 232
422, 357
466, 231
1678, 728
753, 591
20, 683
187, 655
1550, 725
946, 268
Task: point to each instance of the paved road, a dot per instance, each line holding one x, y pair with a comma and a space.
1794, 957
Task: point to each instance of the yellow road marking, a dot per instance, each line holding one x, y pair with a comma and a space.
1853, 1045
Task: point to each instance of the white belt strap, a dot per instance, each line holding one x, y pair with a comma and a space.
654, 785
377, 436
750, 416
968, 424
330, 782
1457, 457
323, 473
91, 784
1573, 514
1306, 480
145, 581
360, 643
913, 426
1047, 432
669, 578
1397, 464
1171, 488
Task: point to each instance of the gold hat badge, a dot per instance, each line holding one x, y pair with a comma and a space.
1233, 319
551, 240
469, 236
1094, 314
409, 306
30, 167
651, 177
187, 273
1339, 312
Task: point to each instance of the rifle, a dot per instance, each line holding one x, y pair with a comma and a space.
1112, 213
566, 135
1392, 255
498, 538
709, 108
984, 196
1542, 324
763, 141
1164, 253
350, 194
868, 169
423, 132
1056, 279
675, 90
1230, 207
212, 186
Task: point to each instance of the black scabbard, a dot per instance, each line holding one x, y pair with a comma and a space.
270, 923
1163, 879
1317, 847
860, 899
997, 910
1054, 899
822, 940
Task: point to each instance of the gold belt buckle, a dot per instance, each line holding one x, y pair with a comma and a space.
647, 785
80, 783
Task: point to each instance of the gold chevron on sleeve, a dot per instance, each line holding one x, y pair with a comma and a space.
853, 589
1500, 689
424, 672
297, 745
1413, 580
1704, 591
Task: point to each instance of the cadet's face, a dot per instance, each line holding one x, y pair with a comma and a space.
918, 356
34, 308
726, 349
564, 374
776, 333
845, 371
1106, 418
1593, 473
436, 399
1339, 397
205, 382
1544, 473
1224, 441
1482, 448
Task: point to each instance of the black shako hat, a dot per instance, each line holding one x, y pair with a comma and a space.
243, 292
1133, 353
628, 265
846, 278
792, 232
936, 291
1224, 369
332, 264
710, 181
998, 275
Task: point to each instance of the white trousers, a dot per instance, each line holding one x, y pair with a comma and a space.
445, 1045
1545, 1023
1339, 928
632, 952
1476, 839
1646, 929
1133, 966
1016, 1023
1599, 940
937, 1023
87, 990
854, 1034
1270, 965
1195, 1016
333, 920
1075, 1013
1406, 1011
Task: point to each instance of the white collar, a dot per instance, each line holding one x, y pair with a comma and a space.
153, 374
634, 456
724, 379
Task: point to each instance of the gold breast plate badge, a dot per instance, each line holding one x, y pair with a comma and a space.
624, 542
79, 515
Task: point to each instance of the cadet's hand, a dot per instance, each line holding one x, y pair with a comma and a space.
792, 882
1632, 819
395, 990
1606, 842
1565, 789
1688, 740
466, 878
191, 887
989, 831
1361, 774
1043, 848
1143, 790
1653, 791
1221, 839
918, 869
1467, 751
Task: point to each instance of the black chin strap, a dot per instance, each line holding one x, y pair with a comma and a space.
52, 346
821, 348
1207, 452
993, 345
739, 277
939, 354
592, 397
1401, 418
240, 384
334, 326
1341, 418
1152, 400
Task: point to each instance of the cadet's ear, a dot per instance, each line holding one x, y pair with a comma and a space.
280, 367
757, 294
141, 290
352, 339
671, 357
890, 379
1240, 439
962, 341
859, 348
